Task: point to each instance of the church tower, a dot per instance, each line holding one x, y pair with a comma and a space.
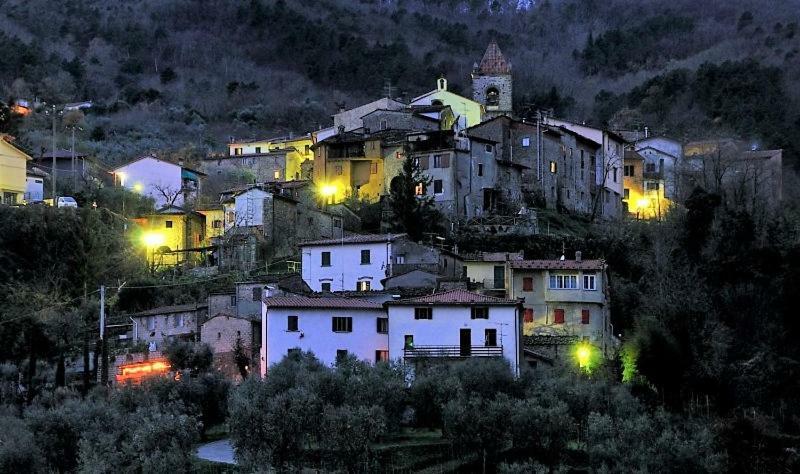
492, 82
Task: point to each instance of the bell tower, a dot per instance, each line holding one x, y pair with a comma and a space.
492, 82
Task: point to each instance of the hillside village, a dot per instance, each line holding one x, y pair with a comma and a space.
285, 211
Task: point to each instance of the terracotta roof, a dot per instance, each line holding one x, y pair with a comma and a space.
324, 302
355, 239
454, 297
493, 61
494, 256
633, 155
180, 308
559, 265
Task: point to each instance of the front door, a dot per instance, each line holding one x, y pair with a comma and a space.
466, 343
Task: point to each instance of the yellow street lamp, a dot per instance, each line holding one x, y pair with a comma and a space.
587, 356
152, 240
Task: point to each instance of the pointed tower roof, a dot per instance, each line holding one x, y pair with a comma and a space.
494, 62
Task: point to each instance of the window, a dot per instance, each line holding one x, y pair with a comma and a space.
589, 282
258, 149
526, 141
277, 174
341, 354
558, 316
528, 318
384, 125
307, 149
291, 323
338, 170
423, 313
9, 198
437, 161
627, 170
626, 193
480, 169
438, 188
400, 259
480, 312
492, 96
326, 259
168, 224
408, 341
337, 223
615, 174
650, 167
420, 189
381, 356
383, 325
342, 324
584, 316
489, 148
325, 287
151, 323
219, 336
233, 300
363, 285
491, 337
257, 293
563, 282
237, 151
217, 224
553, 167
373, 168
527, 284
651, 185
365, 257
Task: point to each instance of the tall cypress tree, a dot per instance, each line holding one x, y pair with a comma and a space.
413, 214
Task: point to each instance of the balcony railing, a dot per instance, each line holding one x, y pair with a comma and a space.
493, 284
451, 352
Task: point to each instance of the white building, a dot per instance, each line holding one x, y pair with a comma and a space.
357, 262
350, 119
455, 324
167, 183
330, 327
34, 184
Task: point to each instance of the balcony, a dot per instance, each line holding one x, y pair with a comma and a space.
451, 352
494, 284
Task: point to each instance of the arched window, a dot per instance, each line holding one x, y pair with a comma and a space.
492, 96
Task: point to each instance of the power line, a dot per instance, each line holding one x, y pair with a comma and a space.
40, 310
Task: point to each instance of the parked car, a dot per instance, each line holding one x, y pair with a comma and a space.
63, 201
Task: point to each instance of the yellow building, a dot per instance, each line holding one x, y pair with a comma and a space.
357, 165
467, 111
643, 191
173, 236
298, 150
214, 226
12, 171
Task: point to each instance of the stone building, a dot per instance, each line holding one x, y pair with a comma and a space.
161, 325
492, 82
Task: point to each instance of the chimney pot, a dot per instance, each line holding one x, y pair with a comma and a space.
578, 256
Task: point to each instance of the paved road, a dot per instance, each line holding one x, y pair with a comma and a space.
217, 451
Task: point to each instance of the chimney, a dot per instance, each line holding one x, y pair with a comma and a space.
578, 256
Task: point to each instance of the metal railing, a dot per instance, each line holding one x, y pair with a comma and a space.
452, 352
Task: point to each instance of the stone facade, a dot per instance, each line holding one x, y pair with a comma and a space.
492, 84
160, 325
221, 333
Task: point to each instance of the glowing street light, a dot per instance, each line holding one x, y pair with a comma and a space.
327, 190
153, 239
586, 356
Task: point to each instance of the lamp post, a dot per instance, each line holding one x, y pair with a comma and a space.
152, 240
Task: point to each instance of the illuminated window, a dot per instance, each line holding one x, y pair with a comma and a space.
277, 174
342, 324
363, 285
237, 151
420, 189
553, 167
526, 141
381, 356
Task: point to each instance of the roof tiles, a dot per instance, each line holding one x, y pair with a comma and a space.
324, 302
558, 265
454, 297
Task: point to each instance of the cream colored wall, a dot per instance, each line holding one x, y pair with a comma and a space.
12, 170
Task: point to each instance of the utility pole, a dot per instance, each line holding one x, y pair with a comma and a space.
53, 170
103, 344
74, 182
